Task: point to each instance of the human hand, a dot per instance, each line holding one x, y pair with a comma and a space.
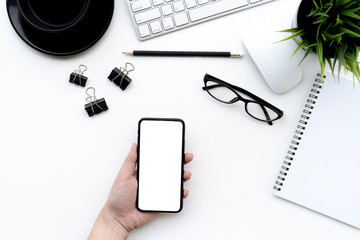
120, 216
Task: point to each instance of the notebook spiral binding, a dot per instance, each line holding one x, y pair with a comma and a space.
305, 116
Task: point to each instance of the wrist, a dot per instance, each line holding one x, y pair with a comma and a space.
106, 227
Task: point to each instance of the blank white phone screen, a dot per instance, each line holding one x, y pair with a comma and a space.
160, 165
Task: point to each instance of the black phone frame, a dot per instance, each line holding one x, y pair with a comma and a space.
182, 165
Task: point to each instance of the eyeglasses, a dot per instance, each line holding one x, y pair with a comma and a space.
254, 106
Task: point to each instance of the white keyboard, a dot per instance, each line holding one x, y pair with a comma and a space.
153, 18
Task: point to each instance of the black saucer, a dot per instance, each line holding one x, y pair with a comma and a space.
74, 40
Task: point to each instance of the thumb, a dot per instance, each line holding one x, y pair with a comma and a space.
128, 167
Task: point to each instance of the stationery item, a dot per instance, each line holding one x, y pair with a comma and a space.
321, 170
94, 106
255, 106
158, 17
77, 77
60, 28
183, 54
120, 76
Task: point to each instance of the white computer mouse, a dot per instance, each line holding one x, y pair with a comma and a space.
280, 71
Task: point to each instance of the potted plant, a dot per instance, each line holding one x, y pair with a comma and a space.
331, 28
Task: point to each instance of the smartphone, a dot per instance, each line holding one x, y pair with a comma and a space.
160, 164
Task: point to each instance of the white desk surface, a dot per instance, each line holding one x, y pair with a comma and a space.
57, 165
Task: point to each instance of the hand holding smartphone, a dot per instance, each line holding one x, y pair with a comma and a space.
160, 164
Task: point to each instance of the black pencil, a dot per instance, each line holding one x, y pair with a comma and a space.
182, 54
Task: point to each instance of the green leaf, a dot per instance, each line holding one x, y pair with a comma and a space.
307, 52
301, 45
357, 73
312, 13
316, 6
328, 59
318, 30
348, 22
296, 34
338, 21
291, 30
341, 57
320, 53
335, 59
332, 38
346, 4
349, 33
329, 7
350, 14
355, 10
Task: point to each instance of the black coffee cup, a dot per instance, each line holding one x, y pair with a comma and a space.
53, 15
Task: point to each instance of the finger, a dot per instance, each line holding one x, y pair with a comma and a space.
186, 193
188, 157
187, 175
128, 167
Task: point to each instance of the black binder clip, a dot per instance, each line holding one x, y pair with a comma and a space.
120, 76
94, 106
77, 77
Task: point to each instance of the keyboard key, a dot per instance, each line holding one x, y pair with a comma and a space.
215, 8
201, 2
178, 6
190, 3
181, 19
138, 5
158, 2
147, 16
144, 30
168, 23
166, 10
155, 27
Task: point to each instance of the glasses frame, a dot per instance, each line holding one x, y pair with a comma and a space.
261, 102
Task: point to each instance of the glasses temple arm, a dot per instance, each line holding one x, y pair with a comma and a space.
266, 115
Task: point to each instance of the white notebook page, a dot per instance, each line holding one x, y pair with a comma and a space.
324, 174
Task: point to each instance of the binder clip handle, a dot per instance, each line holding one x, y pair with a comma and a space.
125, 71
82, 69
77, 77
91, 96
119, 76
94, 106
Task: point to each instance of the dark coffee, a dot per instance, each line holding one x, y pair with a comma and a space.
58, 13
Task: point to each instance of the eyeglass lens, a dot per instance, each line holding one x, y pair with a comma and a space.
260, 112
220, 92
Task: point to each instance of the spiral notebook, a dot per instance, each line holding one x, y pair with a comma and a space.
321, 170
